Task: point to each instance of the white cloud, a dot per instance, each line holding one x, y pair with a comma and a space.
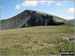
43, 1
30, 3
71, 10
68, 18
18, 6
49, 2
59, 4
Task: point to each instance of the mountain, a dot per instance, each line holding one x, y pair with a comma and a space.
50, 35
30, 18
73, 20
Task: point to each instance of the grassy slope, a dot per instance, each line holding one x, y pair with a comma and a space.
37, 40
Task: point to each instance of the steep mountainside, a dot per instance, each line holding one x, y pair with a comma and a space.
30, 18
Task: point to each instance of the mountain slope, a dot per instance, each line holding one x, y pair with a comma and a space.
36, 41
31, 18
46, 39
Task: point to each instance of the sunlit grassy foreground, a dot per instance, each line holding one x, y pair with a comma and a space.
40, 40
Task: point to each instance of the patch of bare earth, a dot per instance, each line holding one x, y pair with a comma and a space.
41, 47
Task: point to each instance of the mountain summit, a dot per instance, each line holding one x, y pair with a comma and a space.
30, 18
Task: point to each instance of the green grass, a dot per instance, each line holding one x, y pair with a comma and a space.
39, 40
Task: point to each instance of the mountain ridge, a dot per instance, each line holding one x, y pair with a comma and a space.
73, 20
29, 18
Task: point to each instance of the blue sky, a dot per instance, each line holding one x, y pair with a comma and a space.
63, 9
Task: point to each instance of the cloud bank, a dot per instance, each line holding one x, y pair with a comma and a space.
32, 3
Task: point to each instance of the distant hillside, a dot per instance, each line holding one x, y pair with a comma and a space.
32, 18
73, 20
